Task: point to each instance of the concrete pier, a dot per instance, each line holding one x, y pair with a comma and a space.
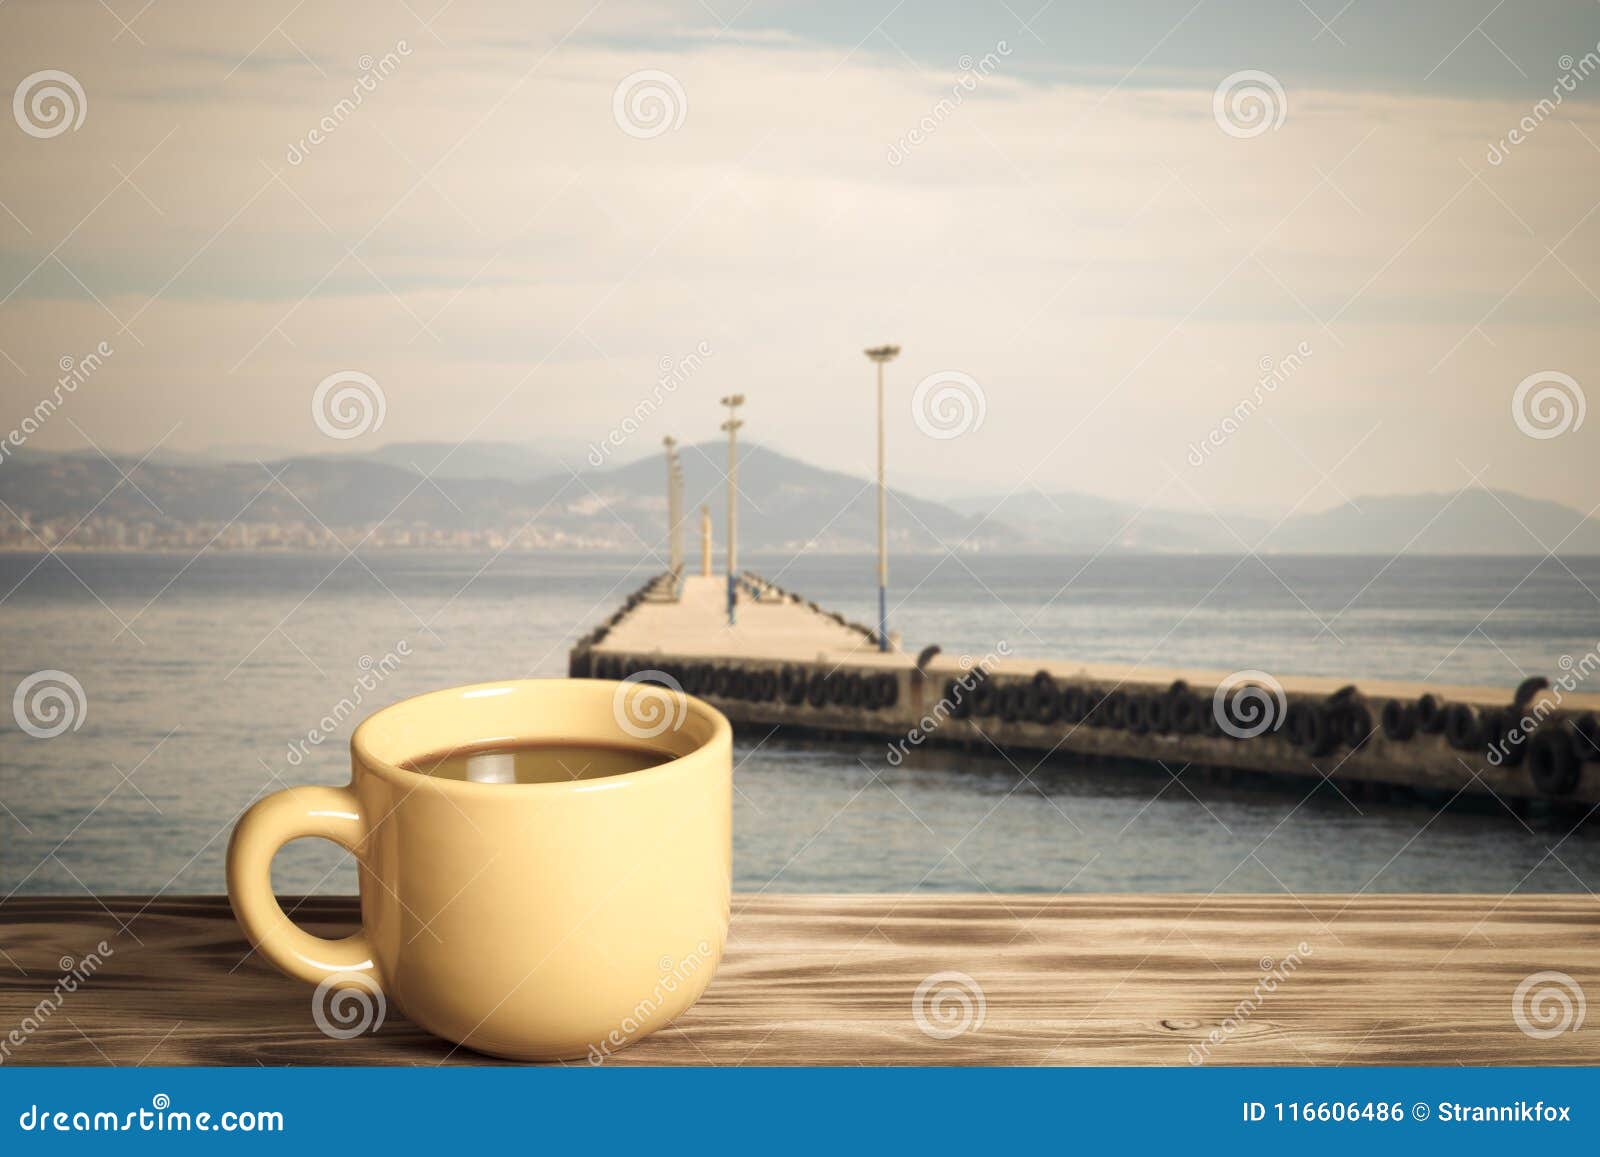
790, 663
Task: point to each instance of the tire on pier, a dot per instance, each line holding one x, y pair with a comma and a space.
1552, 762
855, 691
1158, 712
1355, 724
1586, 737
1013, 702
1311, 727
886, 690
1095, 713
767, 685
1399, 720
817, 689
1075, 704
1430, 715
1499, 725
721, 682
959, 699
1112, 711
702, 676
985, 699
1463, 729
792, 684
1046, 706
1183, 709
1138, 711
838, 689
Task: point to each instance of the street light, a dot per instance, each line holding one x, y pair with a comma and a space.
672, 502
677, 515
733, 402
880, 355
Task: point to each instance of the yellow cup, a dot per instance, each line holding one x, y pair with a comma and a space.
537, 921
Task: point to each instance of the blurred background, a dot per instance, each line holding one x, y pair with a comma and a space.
1234, 335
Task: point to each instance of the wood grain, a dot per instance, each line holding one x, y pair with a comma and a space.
1093, 979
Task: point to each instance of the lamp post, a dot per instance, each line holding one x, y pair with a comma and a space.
705, 541
677, 515
672, 502
733, 402
880, 355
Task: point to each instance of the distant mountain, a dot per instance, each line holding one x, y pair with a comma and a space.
340, 493
511, 461
1074, 522
789, 505
1473, 521
786, 504
1465, 522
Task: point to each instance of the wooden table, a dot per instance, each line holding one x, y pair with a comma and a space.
1077, 979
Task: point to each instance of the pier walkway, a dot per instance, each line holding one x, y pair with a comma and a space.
789, 663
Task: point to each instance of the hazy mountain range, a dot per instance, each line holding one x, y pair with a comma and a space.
787, 504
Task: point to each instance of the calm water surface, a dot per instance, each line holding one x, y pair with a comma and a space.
206, 682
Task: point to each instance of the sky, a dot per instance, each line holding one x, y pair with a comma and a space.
323, 229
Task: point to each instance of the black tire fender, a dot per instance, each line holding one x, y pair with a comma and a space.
1463, 729
1399, 720
1552, 762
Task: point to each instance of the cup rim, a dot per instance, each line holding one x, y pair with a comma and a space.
362, 755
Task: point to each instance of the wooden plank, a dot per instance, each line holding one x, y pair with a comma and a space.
1090, 979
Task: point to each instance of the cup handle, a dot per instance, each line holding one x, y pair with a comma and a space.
333, 813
